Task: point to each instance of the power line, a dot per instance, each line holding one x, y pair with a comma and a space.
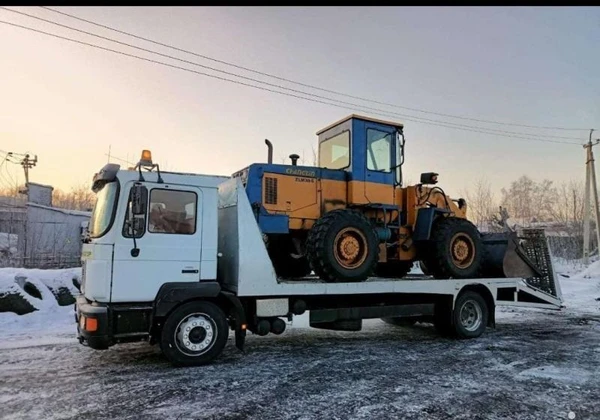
300, 83
5, 181
427, 120
119, 159
356, 107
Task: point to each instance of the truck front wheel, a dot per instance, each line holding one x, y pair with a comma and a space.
194, 334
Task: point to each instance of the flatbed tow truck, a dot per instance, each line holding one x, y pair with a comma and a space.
187, 287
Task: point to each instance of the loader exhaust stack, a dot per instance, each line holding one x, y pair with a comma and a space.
269, 151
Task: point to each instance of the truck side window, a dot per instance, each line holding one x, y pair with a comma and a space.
172, 211
135, 224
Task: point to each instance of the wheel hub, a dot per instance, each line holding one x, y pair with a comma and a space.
350, 248
462, 250
195, 334
471, 316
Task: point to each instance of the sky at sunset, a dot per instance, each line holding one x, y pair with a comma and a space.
69, 103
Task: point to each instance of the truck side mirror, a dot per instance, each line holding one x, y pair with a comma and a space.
139, 199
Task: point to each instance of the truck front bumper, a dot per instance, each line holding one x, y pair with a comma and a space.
92, 323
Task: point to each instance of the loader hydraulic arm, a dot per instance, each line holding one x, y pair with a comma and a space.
435, 197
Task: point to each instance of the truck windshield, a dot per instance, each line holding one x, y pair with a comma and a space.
104, 209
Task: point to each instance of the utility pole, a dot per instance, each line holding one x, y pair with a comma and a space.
27, 164
590, 178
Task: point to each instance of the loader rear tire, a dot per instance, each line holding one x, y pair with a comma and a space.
455, 249
343, 247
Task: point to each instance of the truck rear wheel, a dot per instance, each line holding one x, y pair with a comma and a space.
343, 247
470, 315
455, 249
194, 334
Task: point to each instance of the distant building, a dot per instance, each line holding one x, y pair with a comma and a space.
47, 236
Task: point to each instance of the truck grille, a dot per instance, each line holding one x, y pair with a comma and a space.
270, 190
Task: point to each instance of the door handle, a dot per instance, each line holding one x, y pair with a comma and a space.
189, 271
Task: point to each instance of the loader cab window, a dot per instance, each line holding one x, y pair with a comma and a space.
334, 153
379, 150
172, 212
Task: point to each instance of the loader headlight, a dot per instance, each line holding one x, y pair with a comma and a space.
429, 178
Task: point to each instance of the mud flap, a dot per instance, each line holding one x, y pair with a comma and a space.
240, 338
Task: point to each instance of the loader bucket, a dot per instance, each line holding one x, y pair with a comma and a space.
504, 256
526, 256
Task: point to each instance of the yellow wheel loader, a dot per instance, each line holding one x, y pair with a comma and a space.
350, 217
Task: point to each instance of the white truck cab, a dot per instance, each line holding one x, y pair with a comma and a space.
179, 260
175, 239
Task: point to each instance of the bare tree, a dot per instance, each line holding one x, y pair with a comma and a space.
481, 203
567, 207
529, 201
80, 197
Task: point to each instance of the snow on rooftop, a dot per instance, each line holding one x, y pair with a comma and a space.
61, 210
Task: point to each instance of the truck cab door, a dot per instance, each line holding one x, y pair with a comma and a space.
380, 161
168, 243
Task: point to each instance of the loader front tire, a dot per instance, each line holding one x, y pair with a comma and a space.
455, 249
343, 247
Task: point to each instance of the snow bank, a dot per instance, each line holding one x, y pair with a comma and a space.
49, 322
581, 291
53, 285
52, 325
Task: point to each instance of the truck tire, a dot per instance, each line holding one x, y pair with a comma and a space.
393, 269
470, 315
194, 334
455, 249
343, 247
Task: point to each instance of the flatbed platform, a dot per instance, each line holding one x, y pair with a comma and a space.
247, 271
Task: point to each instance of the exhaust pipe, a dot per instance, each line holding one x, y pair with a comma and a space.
269, 152
294, 158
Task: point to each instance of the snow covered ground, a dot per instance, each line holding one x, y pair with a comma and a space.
536, 364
